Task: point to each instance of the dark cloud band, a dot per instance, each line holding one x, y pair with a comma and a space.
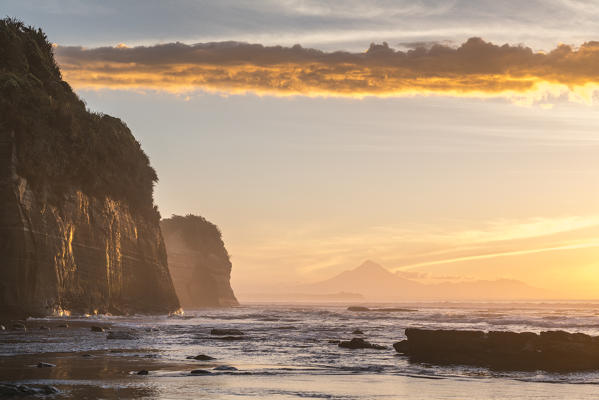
474, 68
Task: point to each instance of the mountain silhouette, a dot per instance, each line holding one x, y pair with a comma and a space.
375, 282
368, 279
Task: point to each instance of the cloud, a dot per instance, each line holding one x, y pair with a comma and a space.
575, 246
558, 253
312, 252
423, 44
476, 68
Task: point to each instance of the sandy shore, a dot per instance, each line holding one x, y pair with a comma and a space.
106, 373
285, 352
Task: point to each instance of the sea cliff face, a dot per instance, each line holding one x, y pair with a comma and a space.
85, 255
79, 231
198, 262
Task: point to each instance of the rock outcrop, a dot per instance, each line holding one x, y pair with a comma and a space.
78, 229
359, 343
550, 351
198, 261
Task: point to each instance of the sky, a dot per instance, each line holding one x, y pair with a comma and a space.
461, 145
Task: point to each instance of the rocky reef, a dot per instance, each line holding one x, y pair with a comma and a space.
198, 261
78, 228
556, 351
359, 343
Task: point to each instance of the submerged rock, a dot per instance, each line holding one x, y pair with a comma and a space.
62, 326
200, 372
221, 332
358, 308
550, 351
225, 368
45, 365
10, 390
201, 357
357, 332
121, 335
97, 329
359, 343
143, 372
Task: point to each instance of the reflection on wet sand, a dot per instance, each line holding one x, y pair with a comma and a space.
77, 375
109, 372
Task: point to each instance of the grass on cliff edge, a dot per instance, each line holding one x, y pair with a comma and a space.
61, 145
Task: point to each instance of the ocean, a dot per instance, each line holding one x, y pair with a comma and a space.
287, 351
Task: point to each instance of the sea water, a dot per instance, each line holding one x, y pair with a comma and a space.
287, 352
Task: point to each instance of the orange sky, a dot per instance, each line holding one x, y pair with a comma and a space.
557, 251
439, 155
560, 254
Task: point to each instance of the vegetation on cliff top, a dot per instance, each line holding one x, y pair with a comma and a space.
60, 144
198, 233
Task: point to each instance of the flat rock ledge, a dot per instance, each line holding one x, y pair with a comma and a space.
555, 351
359, 343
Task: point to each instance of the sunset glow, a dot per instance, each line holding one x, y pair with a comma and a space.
475, 69
299, 199
443, 142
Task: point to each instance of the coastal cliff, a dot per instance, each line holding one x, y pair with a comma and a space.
198, 261
78, 228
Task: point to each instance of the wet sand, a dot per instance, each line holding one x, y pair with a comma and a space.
107, 373
81, 375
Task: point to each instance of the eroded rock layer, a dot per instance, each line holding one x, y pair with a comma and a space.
85, 255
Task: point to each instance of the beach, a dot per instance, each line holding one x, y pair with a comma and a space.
285, 351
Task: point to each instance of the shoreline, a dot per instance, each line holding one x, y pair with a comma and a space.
285, 353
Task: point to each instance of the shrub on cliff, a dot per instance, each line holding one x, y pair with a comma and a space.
60, 144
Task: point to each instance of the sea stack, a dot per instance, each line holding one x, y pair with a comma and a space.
79, 231
198, 261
